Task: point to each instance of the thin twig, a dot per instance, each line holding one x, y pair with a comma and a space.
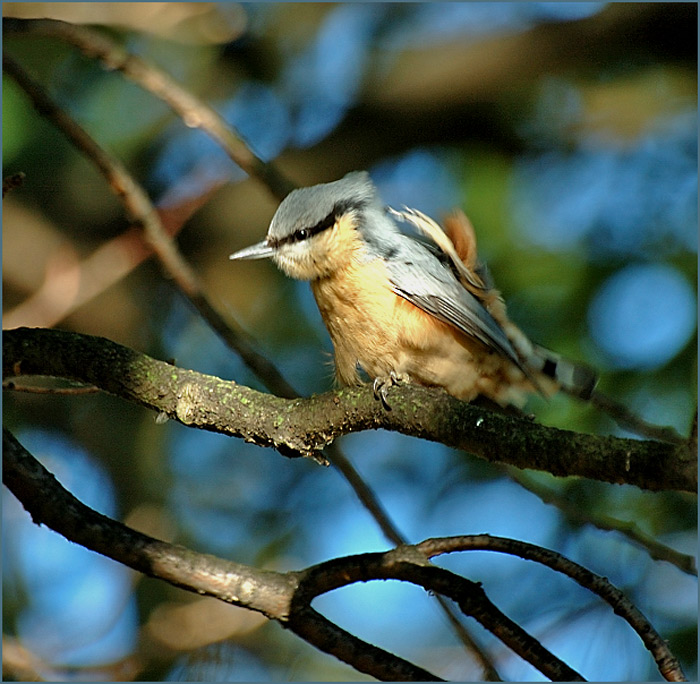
194, 112
667, 663
628, 420
408, 563
370, 501
576, 514
35, 389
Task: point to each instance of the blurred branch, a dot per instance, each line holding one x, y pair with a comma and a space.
577, 515
628, 420
20, 664
431, 77
98, 271
285, 597
369, 500
143, 213
467, 84
194, 112
11, 182
302, 427
36, 389
667, 663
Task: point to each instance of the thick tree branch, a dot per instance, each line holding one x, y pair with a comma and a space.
61, 511
195, 113
302, 427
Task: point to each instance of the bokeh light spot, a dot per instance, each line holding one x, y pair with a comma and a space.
643, 315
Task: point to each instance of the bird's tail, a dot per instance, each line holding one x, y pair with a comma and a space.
574, 378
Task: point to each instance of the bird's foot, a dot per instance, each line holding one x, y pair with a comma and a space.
381, 385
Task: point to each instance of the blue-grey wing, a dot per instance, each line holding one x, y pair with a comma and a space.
419, 277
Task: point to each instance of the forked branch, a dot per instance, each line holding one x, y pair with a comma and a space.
287, 597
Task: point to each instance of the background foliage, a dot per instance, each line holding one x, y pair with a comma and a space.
567, 131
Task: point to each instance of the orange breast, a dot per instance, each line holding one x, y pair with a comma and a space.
372, 326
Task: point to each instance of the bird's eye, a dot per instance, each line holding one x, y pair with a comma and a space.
303, 233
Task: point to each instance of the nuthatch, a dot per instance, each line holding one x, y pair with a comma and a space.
403, 309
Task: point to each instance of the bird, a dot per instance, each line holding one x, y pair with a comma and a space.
404, 308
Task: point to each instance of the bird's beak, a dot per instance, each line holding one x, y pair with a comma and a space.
260, 251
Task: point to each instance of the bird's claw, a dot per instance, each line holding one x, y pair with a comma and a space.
381, 385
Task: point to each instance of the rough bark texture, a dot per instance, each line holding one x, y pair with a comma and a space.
303, 427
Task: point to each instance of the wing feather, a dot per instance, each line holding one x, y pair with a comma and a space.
420, 278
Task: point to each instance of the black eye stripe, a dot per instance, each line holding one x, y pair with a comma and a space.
325, 223
306, 233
